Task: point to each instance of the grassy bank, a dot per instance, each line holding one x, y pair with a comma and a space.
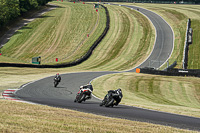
128, 42
56, 31
169, 94
193, 54
23, 118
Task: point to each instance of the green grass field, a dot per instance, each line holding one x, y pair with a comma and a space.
56, 31
180, 95
128, 31
128, 42
193, 55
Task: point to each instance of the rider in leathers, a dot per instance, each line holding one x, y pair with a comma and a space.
89, 86
57, 78
117, 92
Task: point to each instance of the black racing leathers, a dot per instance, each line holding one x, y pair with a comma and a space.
116, 94
57, 78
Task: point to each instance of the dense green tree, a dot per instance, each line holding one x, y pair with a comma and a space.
26, 5
10, 9
2, 13
42, 2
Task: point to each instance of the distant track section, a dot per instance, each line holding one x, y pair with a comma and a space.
164, 42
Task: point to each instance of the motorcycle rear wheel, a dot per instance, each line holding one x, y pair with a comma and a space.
109, 103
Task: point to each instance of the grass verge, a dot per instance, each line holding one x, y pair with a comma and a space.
25, 118
169, 94
193, 54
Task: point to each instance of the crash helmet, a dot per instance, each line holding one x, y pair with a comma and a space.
57, 74
119, 90
81, 87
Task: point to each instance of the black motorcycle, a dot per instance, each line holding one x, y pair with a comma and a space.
110, 100
83, 95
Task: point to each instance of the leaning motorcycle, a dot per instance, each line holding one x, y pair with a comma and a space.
56, 82
83, 95
110, 100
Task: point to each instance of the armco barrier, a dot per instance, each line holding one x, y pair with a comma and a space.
171, 66
68, 64
170, 72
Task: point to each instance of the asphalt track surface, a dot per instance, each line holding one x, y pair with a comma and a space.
43, 92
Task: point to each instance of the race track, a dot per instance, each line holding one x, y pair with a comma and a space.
43, 92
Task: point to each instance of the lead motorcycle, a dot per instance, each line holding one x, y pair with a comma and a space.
82, 95
111, 99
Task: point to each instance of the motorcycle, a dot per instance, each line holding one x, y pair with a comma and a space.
110, 100
56, 82
83, 95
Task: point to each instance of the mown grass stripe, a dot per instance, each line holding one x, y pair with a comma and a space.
42, 40
154, 92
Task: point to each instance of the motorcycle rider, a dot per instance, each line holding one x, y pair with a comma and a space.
117, 93
57, 78
88, 86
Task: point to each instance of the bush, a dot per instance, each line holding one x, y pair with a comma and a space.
10, 9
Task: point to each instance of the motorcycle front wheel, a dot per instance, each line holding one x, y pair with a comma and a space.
109, 103
55, 84
81, 98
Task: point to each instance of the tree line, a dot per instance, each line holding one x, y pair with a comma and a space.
10, 9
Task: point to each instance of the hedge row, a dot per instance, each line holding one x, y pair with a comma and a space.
10, 9
68, 64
